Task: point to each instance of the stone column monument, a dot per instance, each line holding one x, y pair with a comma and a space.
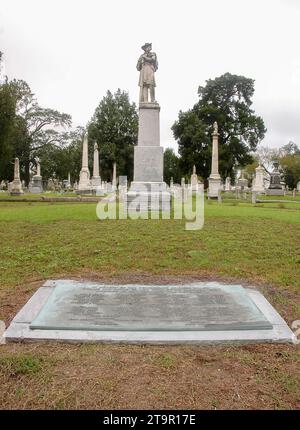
84, 177
275, 187
214, 180
16, 187
148, 191
114, 179
37, 183
258, 183
96, 179
195, 183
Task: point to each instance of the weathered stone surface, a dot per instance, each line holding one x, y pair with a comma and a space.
19, 330
84, 178
141, 308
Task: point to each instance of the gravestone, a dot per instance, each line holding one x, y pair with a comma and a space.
258, 182
228, 184
36, 186
214, 180
15, 187
193, 313
275, 187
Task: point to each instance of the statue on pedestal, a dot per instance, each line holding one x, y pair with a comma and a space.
147, 65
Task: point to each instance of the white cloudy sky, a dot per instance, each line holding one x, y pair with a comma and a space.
70, 52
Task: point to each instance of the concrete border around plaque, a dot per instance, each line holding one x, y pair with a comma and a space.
37, 322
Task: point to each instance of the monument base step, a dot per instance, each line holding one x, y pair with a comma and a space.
274, 192
140, 201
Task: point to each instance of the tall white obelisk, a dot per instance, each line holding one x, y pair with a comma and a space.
84, 178
214, 180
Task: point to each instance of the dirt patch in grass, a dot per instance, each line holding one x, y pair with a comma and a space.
151, 377
64, 376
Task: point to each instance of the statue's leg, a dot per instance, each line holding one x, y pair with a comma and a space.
145, 94
152, 93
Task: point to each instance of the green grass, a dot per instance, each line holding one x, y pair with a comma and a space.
5, 195
41, 240
238, 243
23, 364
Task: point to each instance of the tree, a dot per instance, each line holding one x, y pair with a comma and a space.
57, 160
7, 125
114, 126
39, 124
171, 166
289, 160
227, 100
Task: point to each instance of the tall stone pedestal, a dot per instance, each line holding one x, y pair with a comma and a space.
148, 191
16, 185
16, 188
258, 185
275, 187
214, 187
214, 180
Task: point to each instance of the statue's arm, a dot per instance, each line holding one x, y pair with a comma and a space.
155, 62
139, 63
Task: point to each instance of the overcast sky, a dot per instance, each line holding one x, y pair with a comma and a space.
71, 52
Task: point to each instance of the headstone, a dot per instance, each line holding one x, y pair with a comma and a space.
96, 179
114, 180
50, 185
258, 182
298, 187
214, 180
275, 187
207, 312
148, 191
16, 185
84, 178
242, 182
36, 186
228, 184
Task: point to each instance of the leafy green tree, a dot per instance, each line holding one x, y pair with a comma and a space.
7, 126
227, 100
289, 160
171, 166
40, 124
114, 126
58, 159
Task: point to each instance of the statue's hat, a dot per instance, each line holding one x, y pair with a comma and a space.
144, 47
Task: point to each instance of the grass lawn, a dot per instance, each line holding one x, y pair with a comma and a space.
255, 245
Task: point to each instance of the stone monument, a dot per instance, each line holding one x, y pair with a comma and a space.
195, 184
298, 187
148, 191
214, 180
228, 184
242, 182
37, 182
84, 178
16, 185
96, 179
114, 179
258, 182
275, 187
